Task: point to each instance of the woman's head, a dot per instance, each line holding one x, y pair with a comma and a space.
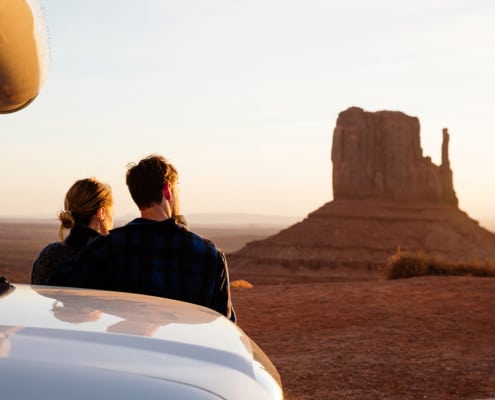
88, 203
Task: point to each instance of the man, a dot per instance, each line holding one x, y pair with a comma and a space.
154, 254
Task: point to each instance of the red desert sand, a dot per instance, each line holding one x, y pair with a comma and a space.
346, 336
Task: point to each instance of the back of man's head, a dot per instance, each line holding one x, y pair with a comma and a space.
147, 179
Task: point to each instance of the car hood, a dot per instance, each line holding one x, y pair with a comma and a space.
141, 337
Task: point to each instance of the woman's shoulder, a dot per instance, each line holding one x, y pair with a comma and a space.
49, 258
52, 248
55, 252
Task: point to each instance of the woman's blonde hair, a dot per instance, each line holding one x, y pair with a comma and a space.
82, 201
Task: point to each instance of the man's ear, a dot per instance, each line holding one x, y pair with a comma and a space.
166, 191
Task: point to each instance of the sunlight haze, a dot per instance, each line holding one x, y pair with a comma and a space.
243, 97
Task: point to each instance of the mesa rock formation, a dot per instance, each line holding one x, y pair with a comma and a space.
386, 195
378, 155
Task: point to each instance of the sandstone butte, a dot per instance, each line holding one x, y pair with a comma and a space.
387, 195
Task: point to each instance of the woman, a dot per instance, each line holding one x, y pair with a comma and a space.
88, 213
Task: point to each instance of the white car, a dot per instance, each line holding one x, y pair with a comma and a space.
69, 343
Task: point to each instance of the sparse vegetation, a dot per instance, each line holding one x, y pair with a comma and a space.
404, 264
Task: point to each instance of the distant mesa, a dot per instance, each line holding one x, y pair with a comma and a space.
378, 156
386, 195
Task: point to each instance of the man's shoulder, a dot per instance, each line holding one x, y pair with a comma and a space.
197, 237
140, 227
199, 242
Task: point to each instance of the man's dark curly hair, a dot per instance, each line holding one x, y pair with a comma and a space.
146, 180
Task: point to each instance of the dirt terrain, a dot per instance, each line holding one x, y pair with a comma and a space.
348, 333
352, 336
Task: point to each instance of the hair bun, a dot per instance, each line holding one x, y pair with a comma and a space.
66, 218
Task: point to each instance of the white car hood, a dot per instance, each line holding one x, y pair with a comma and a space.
121, 334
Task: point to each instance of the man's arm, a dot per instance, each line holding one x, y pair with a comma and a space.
221, 297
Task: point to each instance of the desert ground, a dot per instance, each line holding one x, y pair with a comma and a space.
342, 333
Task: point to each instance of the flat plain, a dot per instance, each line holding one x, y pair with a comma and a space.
341, 333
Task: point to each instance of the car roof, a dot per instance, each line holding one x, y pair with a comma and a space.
51, 332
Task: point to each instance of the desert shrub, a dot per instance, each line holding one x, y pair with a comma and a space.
405, 264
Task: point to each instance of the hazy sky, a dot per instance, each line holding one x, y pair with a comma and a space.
243, 96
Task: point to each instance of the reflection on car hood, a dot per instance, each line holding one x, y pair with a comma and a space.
143, 337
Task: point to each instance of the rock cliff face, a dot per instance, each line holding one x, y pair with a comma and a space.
378, 155
386, 195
